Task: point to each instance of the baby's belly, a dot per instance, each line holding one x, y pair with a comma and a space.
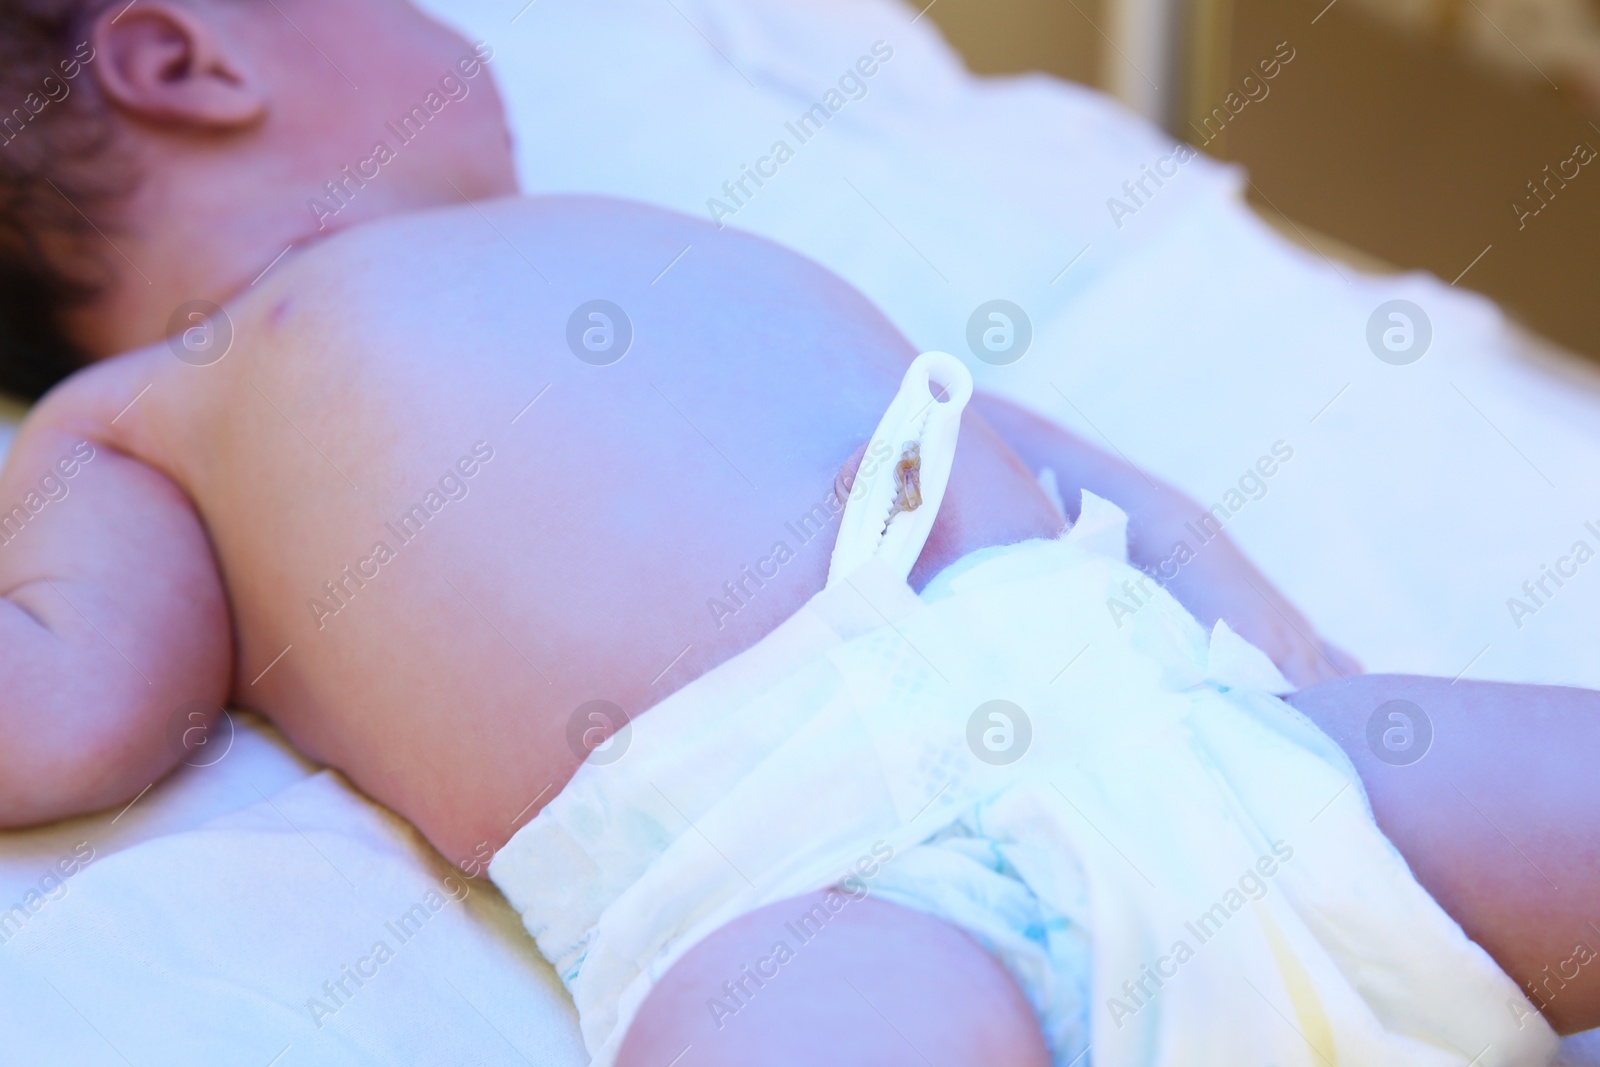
456, 544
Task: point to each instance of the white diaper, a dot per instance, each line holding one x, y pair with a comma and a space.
1176, 866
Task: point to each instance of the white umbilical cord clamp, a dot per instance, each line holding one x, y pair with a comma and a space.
893, 503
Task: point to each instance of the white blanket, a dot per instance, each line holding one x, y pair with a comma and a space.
1191, 336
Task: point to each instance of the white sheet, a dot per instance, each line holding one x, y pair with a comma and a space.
215, 909
1191, 336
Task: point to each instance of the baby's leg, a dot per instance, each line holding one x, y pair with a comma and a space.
1499, 818
877, 986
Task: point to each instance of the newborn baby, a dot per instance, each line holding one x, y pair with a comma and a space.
458, 482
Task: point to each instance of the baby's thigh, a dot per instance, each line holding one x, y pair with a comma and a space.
1488, 792
871, 984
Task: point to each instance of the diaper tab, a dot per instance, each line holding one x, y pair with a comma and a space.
1234, 663
1102, 528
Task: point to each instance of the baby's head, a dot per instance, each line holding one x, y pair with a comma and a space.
163, 151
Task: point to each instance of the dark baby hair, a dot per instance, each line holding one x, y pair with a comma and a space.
54, 137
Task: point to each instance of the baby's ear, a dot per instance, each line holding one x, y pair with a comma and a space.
165, 63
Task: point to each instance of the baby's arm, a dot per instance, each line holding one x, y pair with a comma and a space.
112, 616
1218, 582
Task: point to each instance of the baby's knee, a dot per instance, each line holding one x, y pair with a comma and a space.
872, 983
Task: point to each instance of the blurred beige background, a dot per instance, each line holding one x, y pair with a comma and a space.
1414, 133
